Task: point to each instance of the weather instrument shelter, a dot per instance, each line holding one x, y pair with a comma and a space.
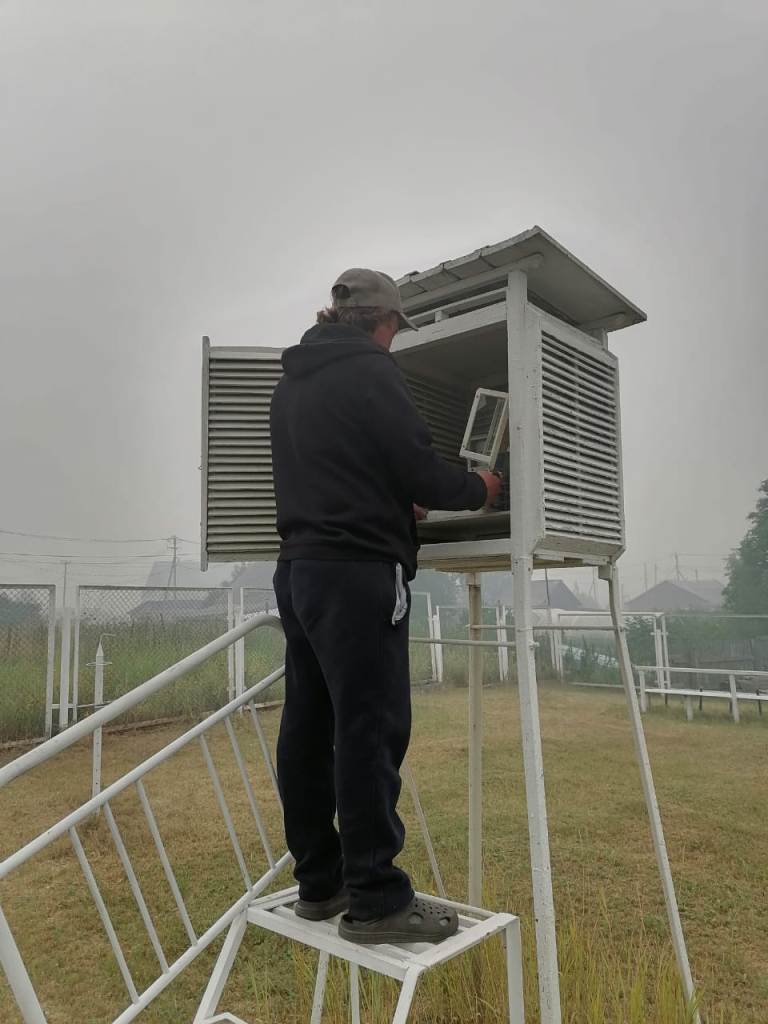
511, 370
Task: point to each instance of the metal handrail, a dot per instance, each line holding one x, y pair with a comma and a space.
708, 671
61, 827
79, 731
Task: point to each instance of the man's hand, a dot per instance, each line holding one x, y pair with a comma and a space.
492, 484
419, 513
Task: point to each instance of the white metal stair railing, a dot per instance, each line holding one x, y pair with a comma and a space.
71, 826
407, 963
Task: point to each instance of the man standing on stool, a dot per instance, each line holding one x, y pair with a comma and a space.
353, 468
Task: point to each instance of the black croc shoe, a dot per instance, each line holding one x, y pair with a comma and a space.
322, 910
419, 921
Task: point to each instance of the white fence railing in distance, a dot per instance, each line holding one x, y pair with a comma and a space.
131, 818
145, 629
747, 686
27, 656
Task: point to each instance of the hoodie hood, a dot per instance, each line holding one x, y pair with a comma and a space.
326, 343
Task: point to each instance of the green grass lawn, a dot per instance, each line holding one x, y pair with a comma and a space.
615, 955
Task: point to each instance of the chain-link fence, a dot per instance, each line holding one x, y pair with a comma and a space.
263, 649
145, 630
27, 652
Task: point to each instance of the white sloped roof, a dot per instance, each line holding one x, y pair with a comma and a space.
562, 284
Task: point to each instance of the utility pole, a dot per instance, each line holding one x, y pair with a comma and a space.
645, 575
174, 542
655, 573
677, 567
64, 594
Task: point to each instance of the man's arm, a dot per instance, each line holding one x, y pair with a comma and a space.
405, 443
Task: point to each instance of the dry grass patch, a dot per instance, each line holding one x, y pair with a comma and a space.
615, 956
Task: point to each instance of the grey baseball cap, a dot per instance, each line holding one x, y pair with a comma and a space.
370, 288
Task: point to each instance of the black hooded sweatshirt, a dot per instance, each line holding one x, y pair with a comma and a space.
351, 454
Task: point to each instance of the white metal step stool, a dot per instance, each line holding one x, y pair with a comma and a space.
405, 962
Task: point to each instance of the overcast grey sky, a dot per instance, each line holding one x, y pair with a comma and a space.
171, 169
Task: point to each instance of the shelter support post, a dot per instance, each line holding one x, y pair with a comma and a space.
610, 573
533, 763
475, 744
522, 339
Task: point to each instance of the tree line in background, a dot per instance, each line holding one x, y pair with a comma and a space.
746, 591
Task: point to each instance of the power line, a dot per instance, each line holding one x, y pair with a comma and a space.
87, 540
97, 558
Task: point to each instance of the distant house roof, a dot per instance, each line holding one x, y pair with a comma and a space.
556, 594
188, 574
176, 609
498, 587
679, 596
255, 575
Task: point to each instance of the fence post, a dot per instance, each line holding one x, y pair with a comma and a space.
665, 650
643, 693
661, 679
501, 636
734, 698
431, 635
76, 659
437, 634
689, 709
66, 639
98, 700
239, 661
50, 665
230, 649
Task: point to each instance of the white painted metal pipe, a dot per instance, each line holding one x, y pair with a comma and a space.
475, 744
649, 792
737, 673
18, 977
457, 643
122, 704
50, 665
98, 700
734, 698
66, 634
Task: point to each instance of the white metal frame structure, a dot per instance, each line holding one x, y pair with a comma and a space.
540, 328
525, 318
273, 912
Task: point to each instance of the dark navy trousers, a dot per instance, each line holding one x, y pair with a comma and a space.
345, 730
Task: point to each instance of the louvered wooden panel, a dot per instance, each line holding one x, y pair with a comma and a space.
238, 515
581, 457
445, 410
